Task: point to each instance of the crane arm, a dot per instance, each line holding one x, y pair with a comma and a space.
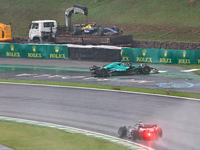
74, 10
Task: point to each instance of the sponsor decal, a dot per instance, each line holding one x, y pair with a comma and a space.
12, 53
144, 52
56, 55
166, 60
125, 58
184, 61
144, 59
34, 54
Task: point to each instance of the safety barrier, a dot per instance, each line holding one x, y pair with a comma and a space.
100, 53
165, 56
94, 53
34, 51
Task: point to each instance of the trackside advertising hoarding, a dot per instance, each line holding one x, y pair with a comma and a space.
165, 56
37, 51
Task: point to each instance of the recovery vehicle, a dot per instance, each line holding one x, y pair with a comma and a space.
48, 31
5, 32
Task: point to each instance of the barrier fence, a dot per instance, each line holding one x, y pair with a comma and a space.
165, 56
138, 55
34, 51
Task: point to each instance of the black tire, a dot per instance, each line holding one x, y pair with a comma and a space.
101, 31
103, 72
134, 135
36, 40
160, 133
115, 28
76, 31
122, 131
94, 70
146, 69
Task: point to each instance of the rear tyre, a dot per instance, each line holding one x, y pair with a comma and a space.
146, 69
76, 31
115, 28
103, 72
160, 133
134, 135
101, 31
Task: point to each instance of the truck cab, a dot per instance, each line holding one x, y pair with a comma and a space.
42, 31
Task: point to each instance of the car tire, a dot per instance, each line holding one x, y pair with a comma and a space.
134, 135
122, 131
101, 31
103, 72
115, 28
160, 133
76, 31
146, 69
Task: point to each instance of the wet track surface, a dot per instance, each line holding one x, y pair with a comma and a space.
90, 110
170, 78
105, 112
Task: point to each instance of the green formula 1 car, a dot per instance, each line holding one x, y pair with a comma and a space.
120, 68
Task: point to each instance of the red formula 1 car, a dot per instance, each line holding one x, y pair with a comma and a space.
137, 132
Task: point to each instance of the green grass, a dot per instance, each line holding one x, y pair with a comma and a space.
172, 20
27, 137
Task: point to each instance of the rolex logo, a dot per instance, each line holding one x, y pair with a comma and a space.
165, 53
184, 54
144, 52
121, 52
12, 47
56, 49
34, 48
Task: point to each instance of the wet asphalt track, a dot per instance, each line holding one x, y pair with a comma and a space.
170, 79
90, 110
105, 112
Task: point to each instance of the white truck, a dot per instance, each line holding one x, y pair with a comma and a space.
45, 31
42, 31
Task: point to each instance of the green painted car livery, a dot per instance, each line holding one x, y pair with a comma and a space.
121, 68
